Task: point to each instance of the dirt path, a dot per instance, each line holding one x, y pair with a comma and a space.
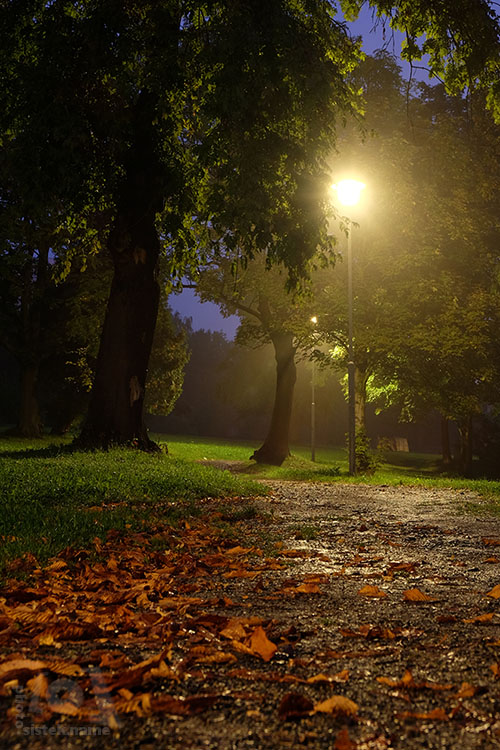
376, 608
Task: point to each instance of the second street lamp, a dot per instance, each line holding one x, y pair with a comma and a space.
349, 193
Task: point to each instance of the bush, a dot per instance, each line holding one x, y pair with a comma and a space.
367, 461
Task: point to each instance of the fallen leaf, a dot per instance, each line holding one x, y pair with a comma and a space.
495, 668
337, 703
495, 592
406, 680
466, 691
234, 630
342, 676
481, 618
437, 714
489, 541
415, 595
343, 741
372, 591
492, 559
261, 645
307, 588
294, 705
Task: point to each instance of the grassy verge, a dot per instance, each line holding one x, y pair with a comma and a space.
414, 469
51, 498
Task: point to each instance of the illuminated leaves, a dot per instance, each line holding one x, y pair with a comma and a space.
372, 591
495, 592
416, 596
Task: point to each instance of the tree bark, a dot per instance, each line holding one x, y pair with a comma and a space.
115, 412
445, 441
29, 415
276, 447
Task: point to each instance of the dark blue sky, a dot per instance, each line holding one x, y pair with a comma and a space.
207, 315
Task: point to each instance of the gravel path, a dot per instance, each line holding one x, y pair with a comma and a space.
382, 591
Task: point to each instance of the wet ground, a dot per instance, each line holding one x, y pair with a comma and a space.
384, 622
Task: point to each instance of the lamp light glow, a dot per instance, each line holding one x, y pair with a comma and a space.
314, 319
349, 191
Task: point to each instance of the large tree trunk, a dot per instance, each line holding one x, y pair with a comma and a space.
276, 445
29, 415
445, 441
116, 407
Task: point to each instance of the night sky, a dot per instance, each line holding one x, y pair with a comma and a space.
207, 315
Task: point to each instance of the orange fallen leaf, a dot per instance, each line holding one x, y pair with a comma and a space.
337, 704
495, 668
372, 591
38, 685
307, 588
406, 680
481, 618
492, 559
466, 691
261, 645
489, 541
342, 676
238, 550
437, 714
495, 592
234, 630
343, 741
415, 595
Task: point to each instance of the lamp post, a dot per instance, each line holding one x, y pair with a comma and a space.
349, 193
314, 320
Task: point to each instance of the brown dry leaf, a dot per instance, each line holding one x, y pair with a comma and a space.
163, 670
495, 668
217, 657
307, 588
337, 704
481, 618
466, 691
242, 573
294, 705
343, 741
437, 714
342, 676
38, 685
372, 591
261, 645
415, 595
47, 639
406, 680
491, 542
495, 592
234, 630
238, 550
492, 559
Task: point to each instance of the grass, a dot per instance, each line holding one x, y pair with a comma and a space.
331, 465
52, 498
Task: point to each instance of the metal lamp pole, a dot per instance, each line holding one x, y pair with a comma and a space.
314, 320
351, 384
349, 192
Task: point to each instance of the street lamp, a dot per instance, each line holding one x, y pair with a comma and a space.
349, 193
314, 321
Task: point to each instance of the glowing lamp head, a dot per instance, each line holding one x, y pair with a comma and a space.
314, 320
349, 191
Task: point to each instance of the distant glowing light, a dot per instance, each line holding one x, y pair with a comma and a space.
349, 191
314, 319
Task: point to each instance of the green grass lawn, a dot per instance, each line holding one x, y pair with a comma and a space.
331, 465
52, 498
